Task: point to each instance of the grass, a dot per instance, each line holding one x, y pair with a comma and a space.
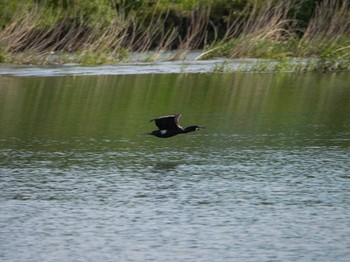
294, 65
105, 32
270, 34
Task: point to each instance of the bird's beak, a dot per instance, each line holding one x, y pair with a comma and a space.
201, 127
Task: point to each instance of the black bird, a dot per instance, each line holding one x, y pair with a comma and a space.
169, 126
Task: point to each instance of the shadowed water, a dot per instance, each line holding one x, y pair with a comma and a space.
267, 180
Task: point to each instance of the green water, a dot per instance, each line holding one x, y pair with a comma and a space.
267, 180
306, 107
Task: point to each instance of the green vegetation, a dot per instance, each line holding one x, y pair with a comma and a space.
105, 31
297, 65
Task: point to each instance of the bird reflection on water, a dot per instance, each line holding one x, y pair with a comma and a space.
166, 166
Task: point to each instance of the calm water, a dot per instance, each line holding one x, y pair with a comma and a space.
267, 180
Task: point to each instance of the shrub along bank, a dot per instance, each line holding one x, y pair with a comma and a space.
105, 31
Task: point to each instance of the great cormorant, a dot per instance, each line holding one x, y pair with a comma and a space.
169, 126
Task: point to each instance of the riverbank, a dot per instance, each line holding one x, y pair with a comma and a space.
108, 32
188, 65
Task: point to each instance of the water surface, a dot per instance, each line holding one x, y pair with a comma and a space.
267, 180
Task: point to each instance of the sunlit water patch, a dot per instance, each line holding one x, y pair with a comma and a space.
130, 68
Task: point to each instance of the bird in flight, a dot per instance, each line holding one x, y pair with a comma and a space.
169, 126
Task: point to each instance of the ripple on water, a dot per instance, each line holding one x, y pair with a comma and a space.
250, 204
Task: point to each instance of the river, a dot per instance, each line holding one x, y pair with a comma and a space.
267, 180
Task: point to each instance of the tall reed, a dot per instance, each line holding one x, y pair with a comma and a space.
262, 34
328, 32
36, 33
125, 32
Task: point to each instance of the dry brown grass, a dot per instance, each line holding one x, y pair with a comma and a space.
265, 25
267, 31
29, 39
328, 33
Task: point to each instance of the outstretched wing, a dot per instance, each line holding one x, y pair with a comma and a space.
170, 122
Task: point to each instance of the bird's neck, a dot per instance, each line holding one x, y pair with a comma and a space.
189, 129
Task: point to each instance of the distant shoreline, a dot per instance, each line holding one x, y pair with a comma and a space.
103, 32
